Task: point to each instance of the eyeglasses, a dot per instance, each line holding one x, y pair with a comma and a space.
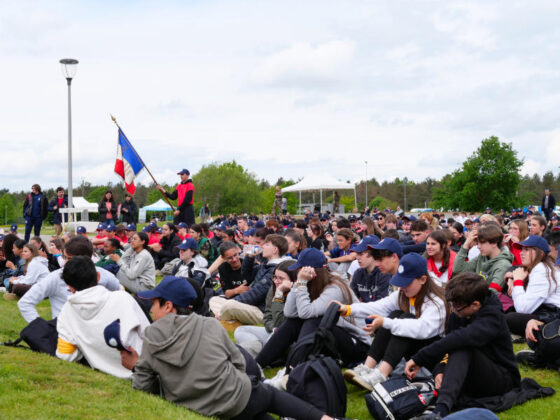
457, 309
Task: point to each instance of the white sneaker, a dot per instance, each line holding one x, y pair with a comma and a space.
278, 380
370, 379
361, 369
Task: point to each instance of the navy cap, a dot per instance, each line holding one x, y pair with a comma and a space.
309, 257
410, 218
411, 266
182, 225
112, 334
188, 243
159, 230
249, 232
363, 245
13, 228
153, 225
183, 172
477, 220
101, 226
1, 236
537, 242
111, 228
259, 224
178, 290
352, 218
223, 226
146, 229
131, 226
554, 218
81, 229
389, 244
488, 208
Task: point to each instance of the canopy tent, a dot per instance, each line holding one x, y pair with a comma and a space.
159, 205
319, 183
82, 204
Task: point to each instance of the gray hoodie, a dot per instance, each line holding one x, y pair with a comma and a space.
198, 365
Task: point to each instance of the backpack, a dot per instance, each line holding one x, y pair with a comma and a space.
398, 399
40, 335
319, 381
319, 342
547, 347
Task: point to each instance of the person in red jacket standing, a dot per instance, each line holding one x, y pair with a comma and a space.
184, 194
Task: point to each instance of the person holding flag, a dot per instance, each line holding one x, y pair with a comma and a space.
184, 194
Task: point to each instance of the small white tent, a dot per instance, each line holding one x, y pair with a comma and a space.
159, 205
320, 183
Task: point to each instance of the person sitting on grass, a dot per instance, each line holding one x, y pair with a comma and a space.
405, 321
205, 247
199, 367
192, 264
340, 257
419, 231
136, 266
86, 314
110, 247
166, 250
494, 261
12, 247
36, 268
476, 354
368, 282
230, 274
440, 258
54, 288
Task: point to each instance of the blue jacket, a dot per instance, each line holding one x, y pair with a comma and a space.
57, 217
40, 209
370, 287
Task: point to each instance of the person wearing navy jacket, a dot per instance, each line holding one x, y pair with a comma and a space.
57, 203
35, 210
184, 194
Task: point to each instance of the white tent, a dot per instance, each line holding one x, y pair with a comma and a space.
320, 183
82, 204
159, 205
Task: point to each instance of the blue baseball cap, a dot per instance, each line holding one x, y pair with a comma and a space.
81, 229
411, 266
1, 236
223, 226
537, 242
112, 335
101, 226
146, 229
153, 225
309, 257
183, 172
178, 290
363, 245
182, 225
131, 227
159, 230
111, 228
389, 244
13, 228
249, 232
259, 224
188, 243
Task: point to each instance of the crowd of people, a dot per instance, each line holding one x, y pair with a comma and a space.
449, 294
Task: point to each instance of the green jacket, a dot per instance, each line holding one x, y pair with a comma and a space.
274, 311
494, 269
106, 260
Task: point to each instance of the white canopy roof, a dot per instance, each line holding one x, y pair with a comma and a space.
159, 205
317, 183
82, 203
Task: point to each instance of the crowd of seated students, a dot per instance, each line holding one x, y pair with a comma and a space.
433, 289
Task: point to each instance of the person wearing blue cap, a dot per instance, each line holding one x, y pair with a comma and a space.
183, 231
533, 288
199, 367
405, 321
368, 282
307, 302
192, 264
86, 313
184, 194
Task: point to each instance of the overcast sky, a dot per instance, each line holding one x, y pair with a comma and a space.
285, 88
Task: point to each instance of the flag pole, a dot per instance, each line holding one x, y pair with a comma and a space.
145, 166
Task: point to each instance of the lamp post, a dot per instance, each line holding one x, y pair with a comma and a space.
69, 67
405, 180
366, 184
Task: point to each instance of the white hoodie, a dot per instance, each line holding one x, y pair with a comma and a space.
37, 269
83, 319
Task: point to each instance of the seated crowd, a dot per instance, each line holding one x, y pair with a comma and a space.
447, 295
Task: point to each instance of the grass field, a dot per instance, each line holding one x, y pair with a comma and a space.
37, 386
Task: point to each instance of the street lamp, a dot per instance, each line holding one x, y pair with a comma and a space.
366, 184
69, 67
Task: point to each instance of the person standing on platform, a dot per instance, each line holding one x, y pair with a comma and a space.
35, 210
184, 194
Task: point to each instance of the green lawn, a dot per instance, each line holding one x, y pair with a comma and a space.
36, 386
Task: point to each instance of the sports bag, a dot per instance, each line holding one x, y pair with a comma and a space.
40, 335
319, 342
547, 347
319, 381
398, 399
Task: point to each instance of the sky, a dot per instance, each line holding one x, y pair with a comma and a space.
286, 88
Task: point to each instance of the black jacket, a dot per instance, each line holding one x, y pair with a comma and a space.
44, 206
169, 247
130, 216
103, 211
551, 202
486, 330
370, 287
57, 218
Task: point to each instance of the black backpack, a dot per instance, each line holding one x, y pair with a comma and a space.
319, 381
547, 347
398, 399
40, 335
320, 342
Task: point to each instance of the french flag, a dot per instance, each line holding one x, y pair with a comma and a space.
128, 163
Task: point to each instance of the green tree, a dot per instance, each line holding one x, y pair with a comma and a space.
488, 178
227, 187
96, 194
8, 210
382, 203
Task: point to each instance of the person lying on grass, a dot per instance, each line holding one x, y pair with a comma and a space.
199, 367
